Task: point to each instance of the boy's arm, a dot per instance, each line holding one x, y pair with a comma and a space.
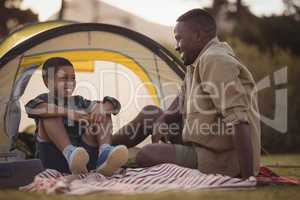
46, 110
101, 109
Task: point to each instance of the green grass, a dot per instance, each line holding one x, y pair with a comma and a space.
262, 193
284, 160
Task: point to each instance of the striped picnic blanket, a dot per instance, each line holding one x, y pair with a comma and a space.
158, 178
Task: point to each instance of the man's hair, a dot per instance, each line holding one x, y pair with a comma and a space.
200, 21
51, 65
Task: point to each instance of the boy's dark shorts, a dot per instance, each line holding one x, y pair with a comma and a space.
52, 157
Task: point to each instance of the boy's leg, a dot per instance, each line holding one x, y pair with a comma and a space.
138, 129
51, 157
48, 153
110, 158
54, 130
98, 134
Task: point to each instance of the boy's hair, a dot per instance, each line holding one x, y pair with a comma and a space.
51, 65
200, 21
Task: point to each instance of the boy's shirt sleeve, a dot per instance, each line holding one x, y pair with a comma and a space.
42, 98
89, 105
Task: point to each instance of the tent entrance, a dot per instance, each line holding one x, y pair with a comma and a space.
98, 74
108, 60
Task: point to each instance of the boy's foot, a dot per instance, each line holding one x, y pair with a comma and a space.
78, 160
111, 159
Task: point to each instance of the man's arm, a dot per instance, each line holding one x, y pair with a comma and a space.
173, 111
242, 143
222, 73
171, 114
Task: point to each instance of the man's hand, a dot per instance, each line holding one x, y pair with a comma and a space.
160, 130
160, 127
242, 142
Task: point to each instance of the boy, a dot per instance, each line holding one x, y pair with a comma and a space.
73, 133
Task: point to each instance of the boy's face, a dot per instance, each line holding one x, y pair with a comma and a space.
64, 81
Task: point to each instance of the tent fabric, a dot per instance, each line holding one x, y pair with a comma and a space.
22, 35
13, 107
117, 54
82, 61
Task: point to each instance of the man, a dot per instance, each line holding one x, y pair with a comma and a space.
219, 129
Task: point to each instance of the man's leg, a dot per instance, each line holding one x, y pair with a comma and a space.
178, 154
153, 154
54, 130
138, 129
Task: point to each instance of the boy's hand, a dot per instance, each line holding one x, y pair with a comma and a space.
99, 113
76, 115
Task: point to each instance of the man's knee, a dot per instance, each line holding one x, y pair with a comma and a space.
144, 157
151, 111
152, 108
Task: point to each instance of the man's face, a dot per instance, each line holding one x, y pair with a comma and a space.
187, 42
64, 81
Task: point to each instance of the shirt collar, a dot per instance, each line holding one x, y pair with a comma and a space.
213, 40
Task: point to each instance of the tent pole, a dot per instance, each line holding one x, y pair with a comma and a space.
117, 90
161, 92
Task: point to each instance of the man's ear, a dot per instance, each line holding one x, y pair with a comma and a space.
46, 82
200, 35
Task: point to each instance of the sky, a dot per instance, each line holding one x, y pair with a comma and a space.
159, 11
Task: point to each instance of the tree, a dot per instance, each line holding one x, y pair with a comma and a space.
217, 6
292, 8
13, 17
238, 6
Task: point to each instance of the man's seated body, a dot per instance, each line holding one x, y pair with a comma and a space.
213, 124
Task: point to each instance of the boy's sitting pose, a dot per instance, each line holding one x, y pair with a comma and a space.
73, 133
